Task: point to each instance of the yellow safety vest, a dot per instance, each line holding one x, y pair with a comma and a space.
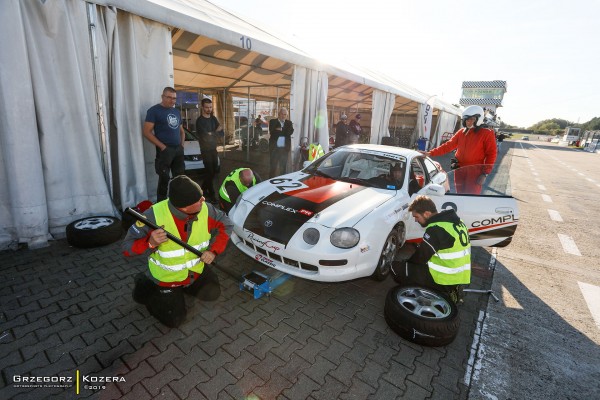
170, 262
452, 266
234, 176
315, 150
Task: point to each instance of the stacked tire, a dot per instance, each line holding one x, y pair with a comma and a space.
421, 315
93, 231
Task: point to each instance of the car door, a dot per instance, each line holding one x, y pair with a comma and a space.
492, 217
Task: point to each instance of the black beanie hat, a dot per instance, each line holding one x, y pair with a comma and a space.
183, 191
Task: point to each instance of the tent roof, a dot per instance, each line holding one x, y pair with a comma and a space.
208, 53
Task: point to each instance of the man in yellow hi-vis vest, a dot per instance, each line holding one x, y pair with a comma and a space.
443, 260
237, 182
315, 150
173, 270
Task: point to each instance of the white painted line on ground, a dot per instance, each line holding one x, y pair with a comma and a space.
590, 179
579, 173
541, 187
568, 244
591, 294
546, 198
598, 184
534, 173
474, 348
555, 216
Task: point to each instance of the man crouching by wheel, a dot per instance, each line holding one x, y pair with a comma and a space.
172, 270
443, 260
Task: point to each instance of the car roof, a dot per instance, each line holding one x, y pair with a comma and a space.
408, 153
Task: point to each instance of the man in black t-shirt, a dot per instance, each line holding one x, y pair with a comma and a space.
207, 130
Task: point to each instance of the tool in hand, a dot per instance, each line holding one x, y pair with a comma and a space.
174, 238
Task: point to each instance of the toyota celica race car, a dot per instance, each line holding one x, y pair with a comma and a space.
345, 215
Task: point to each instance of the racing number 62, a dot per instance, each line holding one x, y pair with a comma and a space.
285, 184
463, 235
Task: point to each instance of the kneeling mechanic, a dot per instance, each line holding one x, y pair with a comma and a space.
172, 270
443, 260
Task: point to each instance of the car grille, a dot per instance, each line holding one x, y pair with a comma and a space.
283, 260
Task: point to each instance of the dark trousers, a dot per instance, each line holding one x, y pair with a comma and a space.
211, 168
406, 273
169, 162
278, 161
167, 304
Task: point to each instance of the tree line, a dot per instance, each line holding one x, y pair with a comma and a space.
556, 126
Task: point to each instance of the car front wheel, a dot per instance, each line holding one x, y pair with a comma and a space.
387, 256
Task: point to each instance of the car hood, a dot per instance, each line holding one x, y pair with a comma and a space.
278, 215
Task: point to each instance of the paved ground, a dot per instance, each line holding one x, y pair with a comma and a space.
65, 310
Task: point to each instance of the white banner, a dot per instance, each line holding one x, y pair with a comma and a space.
426, 116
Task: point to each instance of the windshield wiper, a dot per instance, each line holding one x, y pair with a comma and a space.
358, 181
323, 174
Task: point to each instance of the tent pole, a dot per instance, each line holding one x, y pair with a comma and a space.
103, 138
247, 127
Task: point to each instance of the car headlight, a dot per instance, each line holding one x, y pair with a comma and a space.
311, 236
345, 238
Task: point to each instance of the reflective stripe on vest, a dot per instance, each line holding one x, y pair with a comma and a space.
234, 176
170, 262
315, 150
452, 266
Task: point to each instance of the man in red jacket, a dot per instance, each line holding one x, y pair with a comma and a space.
476, 152
173, 271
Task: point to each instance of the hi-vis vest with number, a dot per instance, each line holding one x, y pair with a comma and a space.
234, 177
452, 266
315, 150
170, 262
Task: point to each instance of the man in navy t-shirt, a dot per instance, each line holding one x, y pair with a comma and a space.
163, 129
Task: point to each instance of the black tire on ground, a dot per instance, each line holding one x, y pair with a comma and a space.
390, 247
263, 145
390, 141
420, 315
93, 231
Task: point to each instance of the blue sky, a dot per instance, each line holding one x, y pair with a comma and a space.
548, 52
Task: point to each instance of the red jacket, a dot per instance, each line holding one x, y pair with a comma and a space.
472, 148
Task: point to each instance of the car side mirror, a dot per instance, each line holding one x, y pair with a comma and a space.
435, 190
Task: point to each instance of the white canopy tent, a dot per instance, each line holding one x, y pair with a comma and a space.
84, 74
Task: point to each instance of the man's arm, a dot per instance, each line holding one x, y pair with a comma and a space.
274, 127
149, 135
182, 133
490, 151
288, 128
232, 191
136, 240
446, 147
220, 228
434, 239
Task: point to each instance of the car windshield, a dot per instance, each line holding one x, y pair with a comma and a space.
368, 168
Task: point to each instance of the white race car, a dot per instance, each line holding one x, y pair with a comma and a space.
344, 216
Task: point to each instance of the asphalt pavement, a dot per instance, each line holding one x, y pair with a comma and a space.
67, 319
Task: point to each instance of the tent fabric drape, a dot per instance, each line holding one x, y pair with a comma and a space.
308, 103
223, 109
135, 65
51, 170
383, 106
446, 123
